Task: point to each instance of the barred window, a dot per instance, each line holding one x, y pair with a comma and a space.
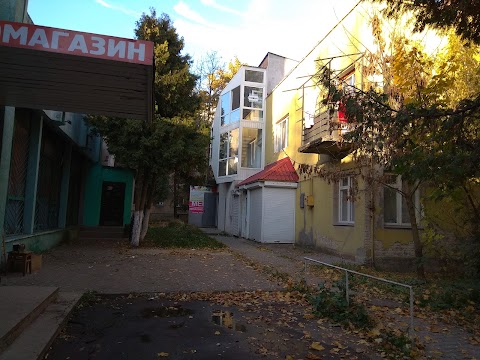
15, 206
49, 182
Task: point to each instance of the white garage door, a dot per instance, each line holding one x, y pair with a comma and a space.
279, 215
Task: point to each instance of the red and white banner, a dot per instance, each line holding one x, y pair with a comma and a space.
75, 43
196, 203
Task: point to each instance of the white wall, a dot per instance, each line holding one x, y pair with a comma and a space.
277, 68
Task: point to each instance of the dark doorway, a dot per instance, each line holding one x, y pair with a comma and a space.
209, 216
113, 197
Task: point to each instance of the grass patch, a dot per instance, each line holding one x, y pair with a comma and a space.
445, 295
330, 302
176, 234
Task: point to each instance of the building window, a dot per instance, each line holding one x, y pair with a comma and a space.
280, 133
49, 182
251, 152
254, 115
230, 107
395, 211
225, 108
15, 206
253, 97
251, 148
348, 82
254, 76
252, 103
228, 153
346, 208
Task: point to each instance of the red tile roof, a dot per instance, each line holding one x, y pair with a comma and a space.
281, 170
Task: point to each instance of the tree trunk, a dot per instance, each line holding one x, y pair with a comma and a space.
475, 212
175, 194
139, 208
417, 243
136, 227
147, 210
145, 222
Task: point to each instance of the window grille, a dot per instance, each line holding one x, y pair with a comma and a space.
49, 181
18, 174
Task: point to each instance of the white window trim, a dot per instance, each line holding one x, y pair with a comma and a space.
349, 82
350, 202
228, 157
399, 204
277, 135
226, 117
253, 150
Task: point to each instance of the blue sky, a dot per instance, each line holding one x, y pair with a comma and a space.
245, 28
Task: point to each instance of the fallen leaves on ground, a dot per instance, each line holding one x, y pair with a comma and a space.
317, 346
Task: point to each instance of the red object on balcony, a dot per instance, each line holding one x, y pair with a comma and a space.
342, 113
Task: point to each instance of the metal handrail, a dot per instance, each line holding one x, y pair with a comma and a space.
410, 330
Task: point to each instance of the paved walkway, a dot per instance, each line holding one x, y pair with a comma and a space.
114, 268
442, 341
107, 267
284, 258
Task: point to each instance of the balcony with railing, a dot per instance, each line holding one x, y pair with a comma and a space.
325, 136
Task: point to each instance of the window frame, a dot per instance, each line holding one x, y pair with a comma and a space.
251, 79
258, 91
252, 145
283, 138
350, 202
228, 156
252, 151
399, 203
225, 108
349, 81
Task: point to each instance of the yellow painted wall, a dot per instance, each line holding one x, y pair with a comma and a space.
317, 225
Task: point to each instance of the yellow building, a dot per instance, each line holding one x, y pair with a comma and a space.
334, 207
337, 212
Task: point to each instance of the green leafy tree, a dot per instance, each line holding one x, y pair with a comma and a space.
174, 81
187, 155
173, 142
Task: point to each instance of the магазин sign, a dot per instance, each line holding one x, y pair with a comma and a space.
75, 43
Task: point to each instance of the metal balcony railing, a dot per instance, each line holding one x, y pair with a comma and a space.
326, 132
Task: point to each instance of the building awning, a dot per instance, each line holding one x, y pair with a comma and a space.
57, 69
281, 170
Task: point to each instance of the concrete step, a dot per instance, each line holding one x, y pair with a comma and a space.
34, 342
102, 232
19, 307
102, 236
102, 228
